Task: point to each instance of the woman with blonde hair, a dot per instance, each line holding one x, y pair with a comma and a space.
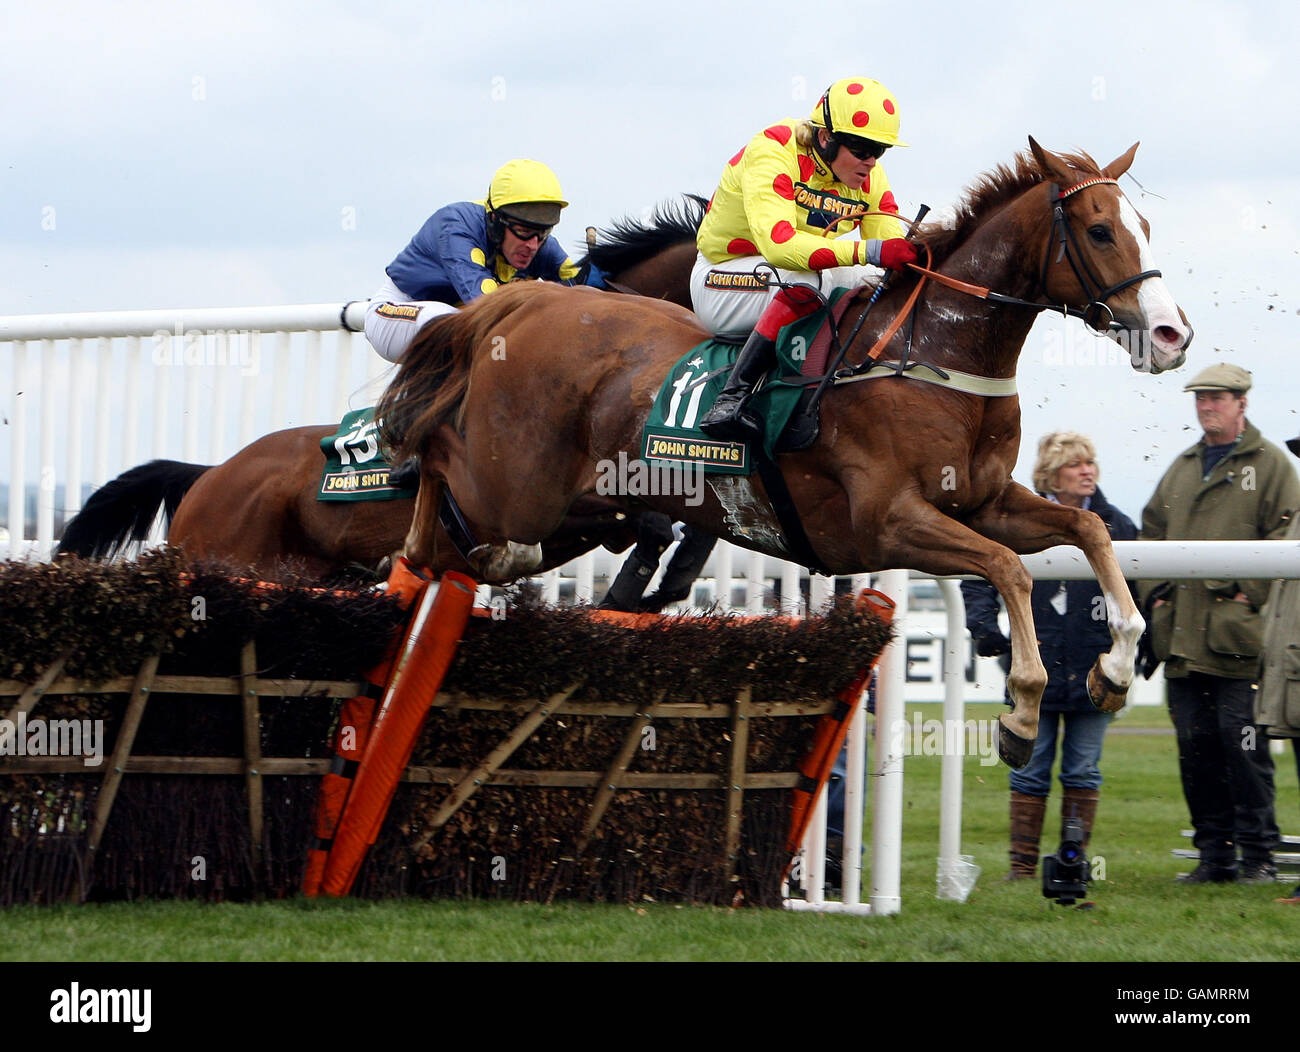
1070, 617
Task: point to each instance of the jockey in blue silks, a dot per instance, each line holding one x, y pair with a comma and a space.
468, 249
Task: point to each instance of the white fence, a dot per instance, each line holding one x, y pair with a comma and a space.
92, 395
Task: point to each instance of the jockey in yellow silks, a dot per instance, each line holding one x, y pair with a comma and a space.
780, 205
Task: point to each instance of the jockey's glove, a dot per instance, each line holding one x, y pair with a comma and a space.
897, 253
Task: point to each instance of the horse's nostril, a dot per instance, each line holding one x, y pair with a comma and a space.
1168, 334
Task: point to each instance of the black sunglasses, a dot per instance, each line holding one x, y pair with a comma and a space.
527, 233
862, 149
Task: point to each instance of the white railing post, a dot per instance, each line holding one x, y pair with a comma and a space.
887, 799
584, 579
308, 408
101, 376
76, 391
722, 556
791, 596
280, 382
224, 350
131, 411
855, 784
190, 412
47, 474
17, 522
161, 357
821, 590
755, 584
950, 884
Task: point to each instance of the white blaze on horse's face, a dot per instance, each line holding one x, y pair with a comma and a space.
1161, 328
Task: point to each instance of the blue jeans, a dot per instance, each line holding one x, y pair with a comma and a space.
1080, 753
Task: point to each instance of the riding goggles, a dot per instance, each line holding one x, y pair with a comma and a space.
862, 149
526, 233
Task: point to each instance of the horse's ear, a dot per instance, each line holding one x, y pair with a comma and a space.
1050, 165
1120, 164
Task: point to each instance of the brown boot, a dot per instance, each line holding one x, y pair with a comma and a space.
1026, 828
1080, 804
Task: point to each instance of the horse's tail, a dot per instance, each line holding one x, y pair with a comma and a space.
433, 377
123, 510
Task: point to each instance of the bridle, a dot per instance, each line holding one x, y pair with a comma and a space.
1061, 235
1064, 236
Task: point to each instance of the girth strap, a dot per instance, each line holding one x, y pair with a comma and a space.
778, 493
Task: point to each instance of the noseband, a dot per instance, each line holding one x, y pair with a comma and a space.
1064, 237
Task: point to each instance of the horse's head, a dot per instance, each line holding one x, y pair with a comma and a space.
1099, 259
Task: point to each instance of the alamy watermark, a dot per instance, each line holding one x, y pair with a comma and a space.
39, 737
1081, 347
624, 477
933, 737
91, 1005
240, 347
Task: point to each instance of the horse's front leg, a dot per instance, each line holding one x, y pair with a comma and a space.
917, 535
1025, 522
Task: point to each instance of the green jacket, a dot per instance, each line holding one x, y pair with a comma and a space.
1277, 707
1251, 494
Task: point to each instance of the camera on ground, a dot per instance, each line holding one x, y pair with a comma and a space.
1065, 874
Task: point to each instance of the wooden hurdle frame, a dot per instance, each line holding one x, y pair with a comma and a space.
462, 783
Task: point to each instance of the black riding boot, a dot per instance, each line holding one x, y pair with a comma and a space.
685, 565
729, 419
625, 593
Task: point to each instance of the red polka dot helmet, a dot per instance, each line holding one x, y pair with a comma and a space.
859, 106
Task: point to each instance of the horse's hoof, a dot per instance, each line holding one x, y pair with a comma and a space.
503, 565
1103, 693
1014, 750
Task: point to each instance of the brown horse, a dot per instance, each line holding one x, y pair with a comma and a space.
259, 508
905, 473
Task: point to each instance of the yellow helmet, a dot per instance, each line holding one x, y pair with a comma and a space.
859, 106
527, 191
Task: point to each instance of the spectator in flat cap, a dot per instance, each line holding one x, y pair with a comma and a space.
1277, 709
1231, 485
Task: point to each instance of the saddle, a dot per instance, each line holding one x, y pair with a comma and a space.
784, 400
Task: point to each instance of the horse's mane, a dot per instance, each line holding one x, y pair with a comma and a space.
433, 376
629, 241
989, 193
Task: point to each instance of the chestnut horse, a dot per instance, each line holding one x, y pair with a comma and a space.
259, 508
905, 473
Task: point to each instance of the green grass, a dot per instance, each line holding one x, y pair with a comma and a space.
1139, 914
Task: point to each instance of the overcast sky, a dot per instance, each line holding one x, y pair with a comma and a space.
238, 153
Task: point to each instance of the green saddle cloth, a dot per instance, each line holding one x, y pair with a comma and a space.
670, 435
355, 469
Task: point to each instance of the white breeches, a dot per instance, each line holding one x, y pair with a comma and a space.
393, 319
729, 299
